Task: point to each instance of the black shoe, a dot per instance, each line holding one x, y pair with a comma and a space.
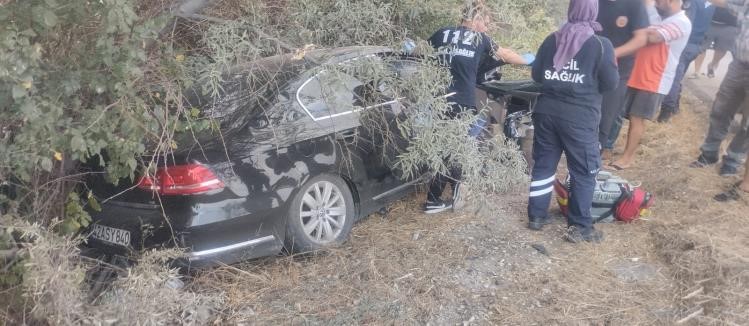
735, 193
728, 170
665, 116
436, 206
704, 160
576, 235
537, 223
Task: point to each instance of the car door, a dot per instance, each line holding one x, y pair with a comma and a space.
335, 99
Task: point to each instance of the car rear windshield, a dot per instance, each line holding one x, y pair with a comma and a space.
245, 92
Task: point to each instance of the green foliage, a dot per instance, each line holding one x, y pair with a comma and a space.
96, 82
76, 217
81, 84
343, 22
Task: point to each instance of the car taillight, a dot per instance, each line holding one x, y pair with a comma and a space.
187, 179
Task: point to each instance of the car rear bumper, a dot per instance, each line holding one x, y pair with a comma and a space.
230, 238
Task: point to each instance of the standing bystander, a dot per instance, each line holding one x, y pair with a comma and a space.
721, 37
731, 95
741, 189
653, 73
700, 13
624, 23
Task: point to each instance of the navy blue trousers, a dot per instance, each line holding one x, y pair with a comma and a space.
552, 137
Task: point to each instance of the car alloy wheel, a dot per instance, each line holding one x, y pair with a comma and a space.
322, 212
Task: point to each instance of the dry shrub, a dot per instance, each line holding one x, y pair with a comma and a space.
149, 293
53, 278
152, 294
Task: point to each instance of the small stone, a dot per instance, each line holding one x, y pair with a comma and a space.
540, 248
175, 283
415, 236
634, 272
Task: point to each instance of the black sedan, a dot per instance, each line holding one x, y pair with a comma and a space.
284, 172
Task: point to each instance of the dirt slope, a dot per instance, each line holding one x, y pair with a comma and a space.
691, 257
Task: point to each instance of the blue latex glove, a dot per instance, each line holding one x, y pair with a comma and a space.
408, 46
529, 58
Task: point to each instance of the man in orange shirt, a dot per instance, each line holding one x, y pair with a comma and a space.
653, 73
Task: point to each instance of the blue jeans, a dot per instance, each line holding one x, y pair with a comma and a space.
671, 101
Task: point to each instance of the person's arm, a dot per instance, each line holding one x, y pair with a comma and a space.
502, 54
666, 32
511, 57
638, 18
608, 72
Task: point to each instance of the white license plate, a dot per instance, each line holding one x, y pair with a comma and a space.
111, 235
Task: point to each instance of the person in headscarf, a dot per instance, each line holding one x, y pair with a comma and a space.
574, 66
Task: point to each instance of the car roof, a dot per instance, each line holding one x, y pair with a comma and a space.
278, 69
316, 57
332, 55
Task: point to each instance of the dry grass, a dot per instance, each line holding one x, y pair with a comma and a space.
374, 278
706, 243
55, 289
409, 268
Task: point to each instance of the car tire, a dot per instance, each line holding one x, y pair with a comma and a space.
320, 215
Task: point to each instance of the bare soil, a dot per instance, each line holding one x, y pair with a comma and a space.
687, 264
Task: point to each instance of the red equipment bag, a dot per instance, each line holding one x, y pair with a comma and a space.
563, 196
632, 204
613, 196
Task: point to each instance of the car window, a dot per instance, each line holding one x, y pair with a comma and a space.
405, 67
329, 94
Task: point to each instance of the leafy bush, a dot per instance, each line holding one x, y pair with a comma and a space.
100, 83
